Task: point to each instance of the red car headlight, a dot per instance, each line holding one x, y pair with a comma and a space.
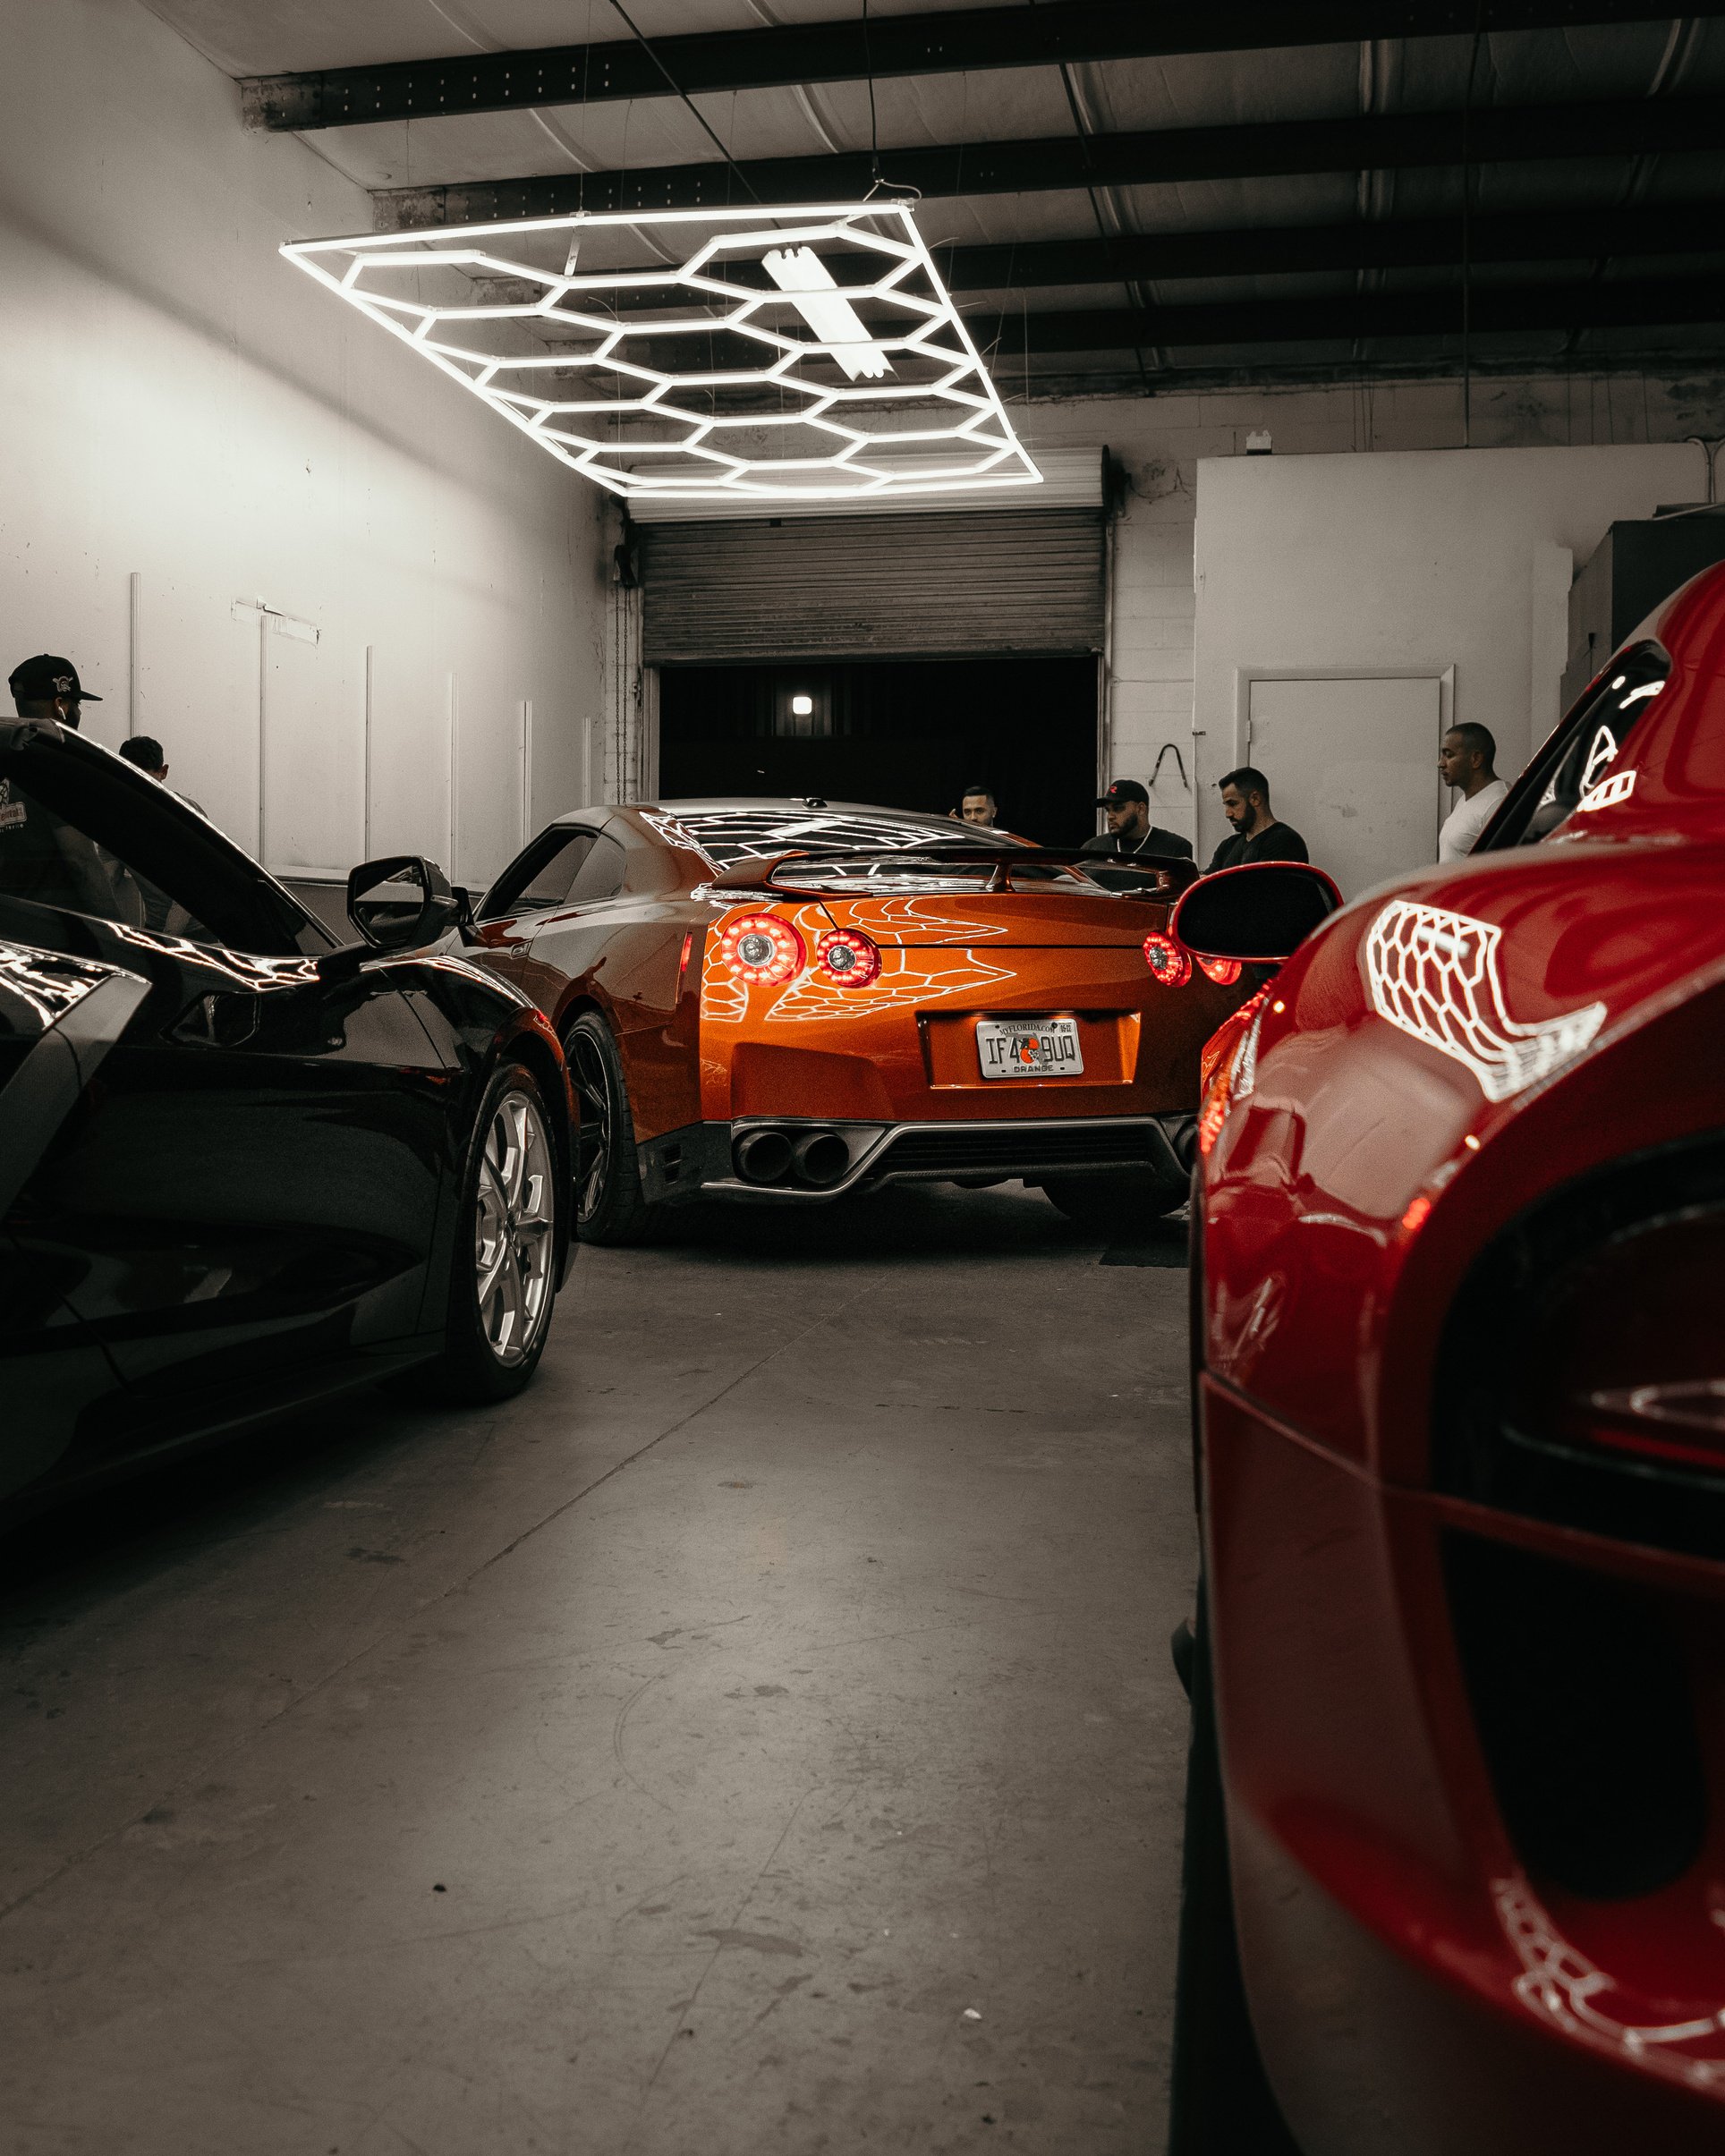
762, 950
845, 958
1171, 965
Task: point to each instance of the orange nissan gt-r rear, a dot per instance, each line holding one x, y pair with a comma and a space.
946, 1009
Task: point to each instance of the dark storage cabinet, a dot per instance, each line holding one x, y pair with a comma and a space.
1634, 566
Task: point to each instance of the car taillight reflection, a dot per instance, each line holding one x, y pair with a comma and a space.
1634, 1324
1229, 1071
1165, 958
845, 958
1682, 1422
1223, 971
762, 949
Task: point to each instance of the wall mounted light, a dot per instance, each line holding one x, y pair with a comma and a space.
746, 355
803, 706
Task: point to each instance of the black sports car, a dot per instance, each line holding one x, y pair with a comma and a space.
242, 1167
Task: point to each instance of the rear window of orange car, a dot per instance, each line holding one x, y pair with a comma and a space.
727, 836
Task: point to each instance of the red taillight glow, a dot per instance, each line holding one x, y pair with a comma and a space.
1228, 1068
1223, 971
1683, 1422
762, 950
1166, 960
845, 958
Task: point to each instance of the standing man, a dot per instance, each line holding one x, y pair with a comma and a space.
146, 752
1130, 832
46, 687
1465, 760
1257, 834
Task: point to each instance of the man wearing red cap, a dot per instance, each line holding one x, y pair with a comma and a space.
1130, 832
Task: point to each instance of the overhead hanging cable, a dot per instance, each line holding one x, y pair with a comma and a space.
651, 51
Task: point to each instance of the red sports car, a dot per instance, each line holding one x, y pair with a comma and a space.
1456, 1840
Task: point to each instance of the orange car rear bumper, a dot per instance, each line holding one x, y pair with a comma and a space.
712, 1160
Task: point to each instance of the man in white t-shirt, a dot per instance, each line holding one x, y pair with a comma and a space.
1465, 762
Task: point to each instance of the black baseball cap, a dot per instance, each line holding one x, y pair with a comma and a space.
44, 677
1122, 790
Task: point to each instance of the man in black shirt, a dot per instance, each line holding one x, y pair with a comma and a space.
1256, 834
1130, 832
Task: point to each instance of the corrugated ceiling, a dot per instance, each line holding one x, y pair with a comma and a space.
1672, 59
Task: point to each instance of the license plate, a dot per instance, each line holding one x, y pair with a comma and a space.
1029, 1047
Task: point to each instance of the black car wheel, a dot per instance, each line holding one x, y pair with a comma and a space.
1110, 1201
1219, 2099
503, 1273
610, 1206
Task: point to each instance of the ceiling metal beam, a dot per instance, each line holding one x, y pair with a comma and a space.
942, 43
1646, 304
1674, 228
1356, 142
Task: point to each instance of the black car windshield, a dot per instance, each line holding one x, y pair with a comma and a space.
1578, 758
81, 832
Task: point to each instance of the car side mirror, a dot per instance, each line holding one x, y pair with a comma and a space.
1260, 913
400, 903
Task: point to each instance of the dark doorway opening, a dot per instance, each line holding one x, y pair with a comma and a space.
906, 734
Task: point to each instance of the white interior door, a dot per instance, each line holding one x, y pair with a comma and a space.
1352, 766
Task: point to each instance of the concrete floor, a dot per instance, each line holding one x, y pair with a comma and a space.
758, 1738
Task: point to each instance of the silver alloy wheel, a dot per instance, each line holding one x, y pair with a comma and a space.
514, 1222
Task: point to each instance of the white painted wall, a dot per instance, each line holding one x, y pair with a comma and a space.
1161, 440
178, 403
1404, 563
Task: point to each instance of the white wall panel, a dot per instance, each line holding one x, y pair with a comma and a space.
1399, 563
1160, 440
178, 404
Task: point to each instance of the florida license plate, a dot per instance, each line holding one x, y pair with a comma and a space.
1029, 1047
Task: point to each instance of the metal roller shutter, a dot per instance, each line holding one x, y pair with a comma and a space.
943, 584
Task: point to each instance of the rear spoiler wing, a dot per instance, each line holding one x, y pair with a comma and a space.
1155, 876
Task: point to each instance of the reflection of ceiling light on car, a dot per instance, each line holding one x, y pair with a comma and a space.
657, 353
805, 278
803, 706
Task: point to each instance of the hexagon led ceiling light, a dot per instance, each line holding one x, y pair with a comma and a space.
755, 355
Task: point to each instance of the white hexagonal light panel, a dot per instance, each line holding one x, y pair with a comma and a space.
774, 354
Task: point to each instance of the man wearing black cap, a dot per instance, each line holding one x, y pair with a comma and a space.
46, 687
1130, 832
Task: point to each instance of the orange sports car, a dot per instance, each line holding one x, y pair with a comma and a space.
785, 1001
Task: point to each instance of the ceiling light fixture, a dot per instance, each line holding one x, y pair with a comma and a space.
743, 369
805, 278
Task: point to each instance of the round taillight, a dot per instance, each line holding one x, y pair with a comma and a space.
1223, 971
762, 949
845, 958
1165, 959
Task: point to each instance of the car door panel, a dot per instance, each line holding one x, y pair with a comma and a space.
238, 1208
250, 1185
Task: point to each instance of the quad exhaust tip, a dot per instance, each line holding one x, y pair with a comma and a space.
814, 1160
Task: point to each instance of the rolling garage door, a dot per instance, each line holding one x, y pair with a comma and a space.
936, 584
